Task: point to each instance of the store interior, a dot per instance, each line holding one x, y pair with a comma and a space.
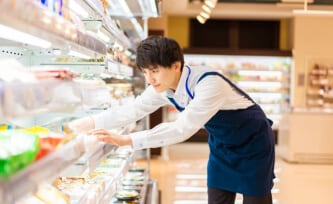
65, 59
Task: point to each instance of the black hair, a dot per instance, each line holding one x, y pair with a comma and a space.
158, 51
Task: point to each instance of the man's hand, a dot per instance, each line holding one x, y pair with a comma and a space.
111, 138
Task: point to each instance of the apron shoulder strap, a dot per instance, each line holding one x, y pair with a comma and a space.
240, 91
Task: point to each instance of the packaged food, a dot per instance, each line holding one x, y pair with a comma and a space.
17, 150
124, 195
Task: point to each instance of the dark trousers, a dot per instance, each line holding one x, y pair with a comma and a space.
217, 196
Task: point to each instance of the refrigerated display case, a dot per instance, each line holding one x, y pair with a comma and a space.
55, 61
265, 78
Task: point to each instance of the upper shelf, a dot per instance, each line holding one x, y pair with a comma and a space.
135, 8
57, 31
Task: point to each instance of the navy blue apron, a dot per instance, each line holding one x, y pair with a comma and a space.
241, 146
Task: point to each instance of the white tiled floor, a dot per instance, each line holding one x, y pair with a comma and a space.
181, 175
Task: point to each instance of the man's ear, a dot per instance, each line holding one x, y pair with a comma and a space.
177, 66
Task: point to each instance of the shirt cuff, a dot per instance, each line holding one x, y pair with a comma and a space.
98, 121
138, 140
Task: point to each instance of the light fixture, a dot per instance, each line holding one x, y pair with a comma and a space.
201, 19
18, 36
204, 14
206, 10
210, 3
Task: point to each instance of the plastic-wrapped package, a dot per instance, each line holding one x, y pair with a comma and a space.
17, 150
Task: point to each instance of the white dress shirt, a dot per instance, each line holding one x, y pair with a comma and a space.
211, 95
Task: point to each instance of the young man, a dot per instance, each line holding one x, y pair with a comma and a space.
241, 141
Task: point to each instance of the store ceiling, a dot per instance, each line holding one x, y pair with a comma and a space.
326, 2
243, 10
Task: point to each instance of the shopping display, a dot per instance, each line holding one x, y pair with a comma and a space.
265, 78
77, 60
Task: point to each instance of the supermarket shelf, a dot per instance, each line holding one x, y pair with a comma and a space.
113, 184
119, 70
28, 179
25, 99
36, 20
96, 151
135, 8
120, 37
72, 159
20, 100
80, 67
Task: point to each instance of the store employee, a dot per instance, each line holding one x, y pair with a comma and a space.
241, 141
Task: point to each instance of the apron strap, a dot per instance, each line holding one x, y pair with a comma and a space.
240, 91
178, 107
173, 101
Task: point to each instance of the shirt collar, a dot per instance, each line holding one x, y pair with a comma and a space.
181, 88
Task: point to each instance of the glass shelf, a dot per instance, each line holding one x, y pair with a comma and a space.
38, 21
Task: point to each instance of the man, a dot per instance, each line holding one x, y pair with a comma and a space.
241, 141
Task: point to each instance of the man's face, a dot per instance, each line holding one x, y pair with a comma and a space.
163, 78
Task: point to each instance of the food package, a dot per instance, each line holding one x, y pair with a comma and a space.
17, 150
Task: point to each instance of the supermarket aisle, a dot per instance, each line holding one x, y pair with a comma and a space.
181, 176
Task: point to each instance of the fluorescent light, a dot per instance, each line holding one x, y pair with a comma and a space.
78, 54
78, 9
18, 36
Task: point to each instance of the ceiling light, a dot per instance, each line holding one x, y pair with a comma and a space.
204, 14
206, 8
201, 19
18, 36
210, 3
